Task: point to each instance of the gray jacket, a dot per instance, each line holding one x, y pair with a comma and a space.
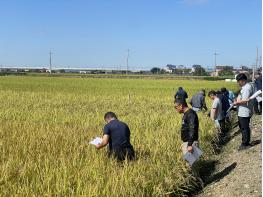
198, 101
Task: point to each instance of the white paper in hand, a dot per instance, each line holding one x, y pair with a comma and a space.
193, 157
257, 93
259, 98
96, 141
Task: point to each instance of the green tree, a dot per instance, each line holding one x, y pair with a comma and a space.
226, 73
199, 71
155, 70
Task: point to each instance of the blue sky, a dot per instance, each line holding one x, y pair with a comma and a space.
97, 33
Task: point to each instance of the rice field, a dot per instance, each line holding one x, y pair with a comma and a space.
46, 124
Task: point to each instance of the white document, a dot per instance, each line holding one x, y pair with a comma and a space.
257, 93
193, 157
96, 141
259, 98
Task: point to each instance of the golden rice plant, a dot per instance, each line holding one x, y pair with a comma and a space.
46, 125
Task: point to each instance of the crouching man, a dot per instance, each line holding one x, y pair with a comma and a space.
117, 135
190, 124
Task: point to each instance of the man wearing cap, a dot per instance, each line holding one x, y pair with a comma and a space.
245, 109
190, 125
198, 101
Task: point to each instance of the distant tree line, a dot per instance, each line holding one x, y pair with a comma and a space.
197, 70
156, 70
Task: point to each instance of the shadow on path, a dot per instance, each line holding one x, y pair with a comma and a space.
255, 142
218, 176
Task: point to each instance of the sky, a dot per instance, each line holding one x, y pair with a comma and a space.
98, 33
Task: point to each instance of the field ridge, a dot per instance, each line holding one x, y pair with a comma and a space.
237, 173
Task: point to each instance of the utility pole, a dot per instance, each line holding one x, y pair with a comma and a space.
260, 62
127, 61
50, 61
257, 59
253, 72
255, 66
215, 54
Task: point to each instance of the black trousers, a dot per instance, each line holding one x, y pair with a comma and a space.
222, 124
244, 127
120, 154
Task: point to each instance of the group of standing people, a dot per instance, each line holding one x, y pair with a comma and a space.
223, 100
117, 133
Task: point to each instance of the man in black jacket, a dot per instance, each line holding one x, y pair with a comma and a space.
190, 125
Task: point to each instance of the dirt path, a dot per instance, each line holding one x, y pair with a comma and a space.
237, 173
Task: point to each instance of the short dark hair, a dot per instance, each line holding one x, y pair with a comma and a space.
218, 92
180, 88
110, 115
223, 89
212, 92
180, 101
241, 76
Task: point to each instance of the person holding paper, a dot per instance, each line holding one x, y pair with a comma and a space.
190, 125
245, 109
216, 113
117, 135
